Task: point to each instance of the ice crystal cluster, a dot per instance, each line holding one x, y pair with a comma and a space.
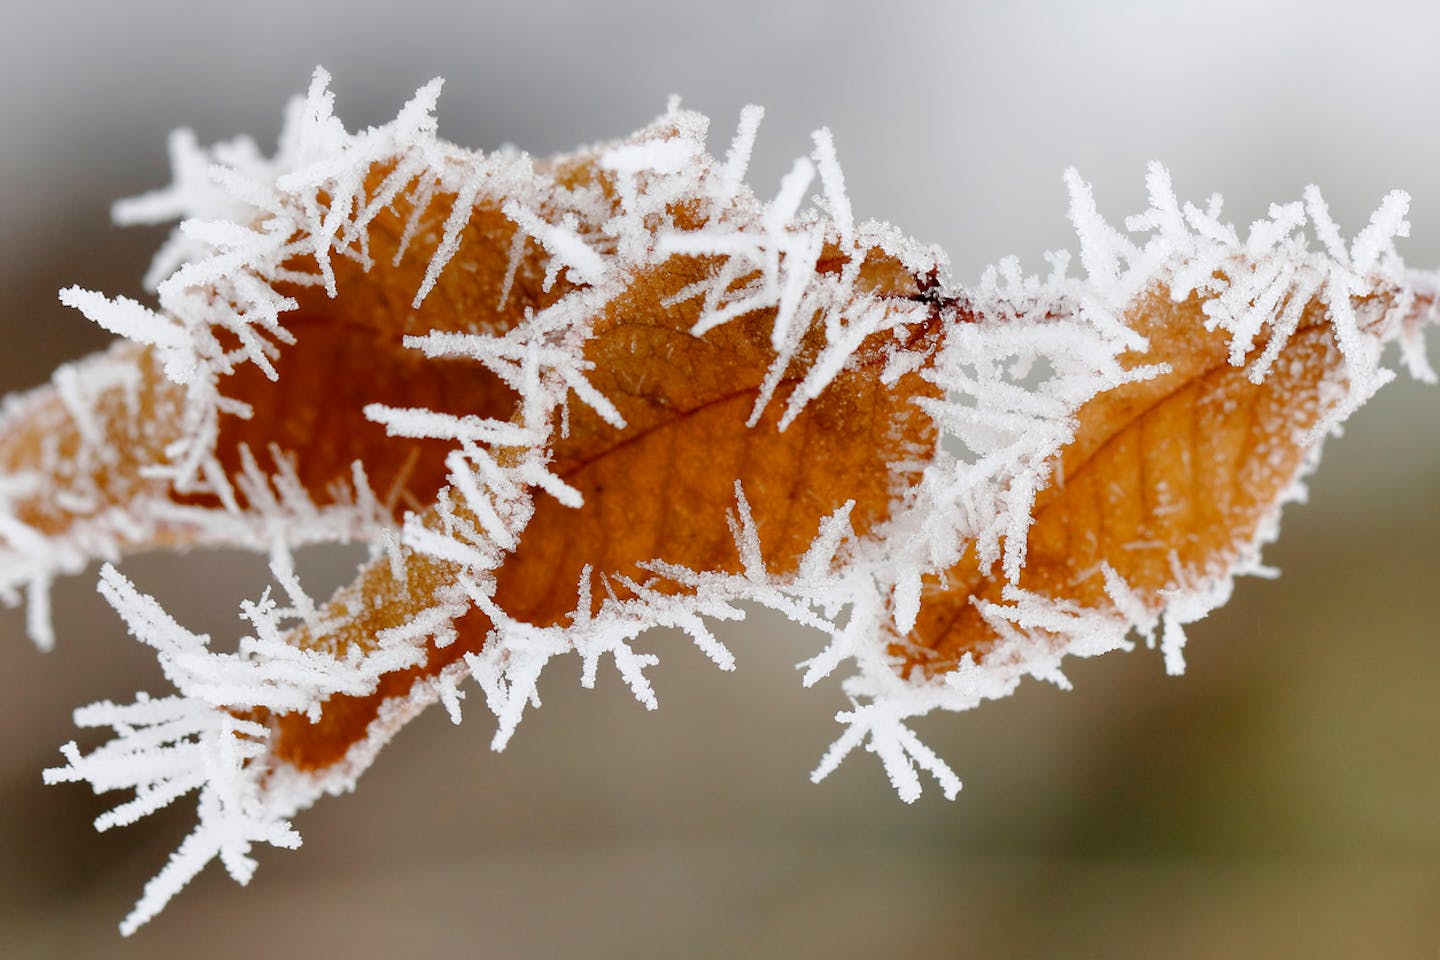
1008, 370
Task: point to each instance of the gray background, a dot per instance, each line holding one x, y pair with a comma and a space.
1280, 800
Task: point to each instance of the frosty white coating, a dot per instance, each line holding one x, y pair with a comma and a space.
1010, 388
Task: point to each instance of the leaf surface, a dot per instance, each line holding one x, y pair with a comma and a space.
663, 487
1168, 481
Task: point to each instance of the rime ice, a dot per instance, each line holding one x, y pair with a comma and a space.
1009, 385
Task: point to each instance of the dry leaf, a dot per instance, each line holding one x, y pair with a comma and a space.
615, 391
1168, 484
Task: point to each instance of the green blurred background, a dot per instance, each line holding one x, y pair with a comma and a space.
1280, 800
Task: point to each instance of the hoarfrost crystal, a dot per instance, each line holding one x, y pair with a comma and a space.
1009, 382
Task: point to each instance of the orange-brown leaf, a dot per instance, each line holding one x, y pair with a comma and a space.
662, 487
1168, 481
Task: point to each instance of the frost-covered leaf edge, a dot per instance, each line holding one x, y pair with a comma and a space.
985, 503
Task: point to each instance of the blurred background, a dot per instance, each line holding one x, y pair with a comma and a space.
1277, 801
